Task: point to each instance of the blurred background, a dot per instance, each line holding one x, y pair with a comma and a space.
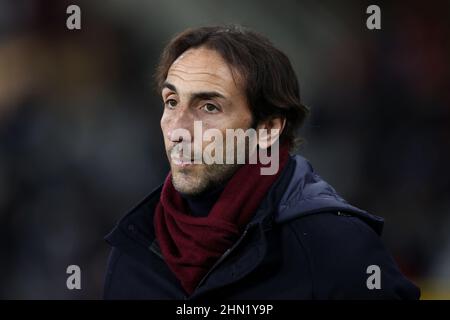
80, 142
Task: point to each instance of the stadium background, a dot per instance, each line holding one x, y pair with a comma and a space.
80, 141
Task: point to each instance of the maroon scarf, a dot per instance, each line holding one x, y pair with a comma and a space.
191, 245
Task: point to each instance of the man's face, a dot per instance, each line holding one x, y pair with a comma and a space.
200, 87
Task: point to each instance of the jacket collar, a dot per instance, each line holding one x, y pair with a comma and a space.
307, 193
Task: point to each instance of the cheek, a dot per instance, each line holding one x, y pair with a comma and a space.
243, 121
242, 117
248, 121
164, 123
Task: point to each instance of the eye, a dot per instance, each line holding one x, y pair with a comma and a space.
210, 108
171, 103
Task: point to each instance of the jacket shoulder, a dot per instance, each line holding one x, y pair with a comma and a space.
347, 258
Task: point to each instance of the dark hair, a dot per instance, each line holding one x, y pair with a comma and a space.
271, 85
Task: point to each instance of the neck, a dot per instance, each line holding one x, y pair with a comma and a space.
201, 205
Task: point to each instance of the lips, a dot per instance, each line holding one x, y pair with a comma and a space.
181, 162
178, 160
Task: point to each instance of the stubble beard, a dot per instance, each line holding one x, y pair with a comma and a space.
201, 179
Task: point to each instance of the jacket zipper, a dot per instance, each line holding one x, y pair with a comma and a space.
155, 251
226, 254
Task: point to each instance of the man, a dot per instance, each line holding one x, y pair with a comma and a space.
224, 229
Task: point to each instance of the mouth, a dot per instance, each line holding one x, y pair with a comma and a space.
179, 160
182, 162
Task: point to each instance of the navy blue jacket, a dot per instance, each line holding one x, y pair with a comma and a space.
304, 242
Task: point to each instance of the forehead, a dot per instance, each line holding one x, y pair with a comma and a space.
203, 68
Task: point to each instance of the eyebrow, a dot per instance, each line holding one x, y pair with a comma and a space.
202, 95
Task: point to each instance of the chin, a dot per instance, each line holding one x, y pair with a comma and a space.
188, 184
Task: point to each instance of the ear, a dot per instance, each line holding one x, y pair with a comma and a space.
272, 129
